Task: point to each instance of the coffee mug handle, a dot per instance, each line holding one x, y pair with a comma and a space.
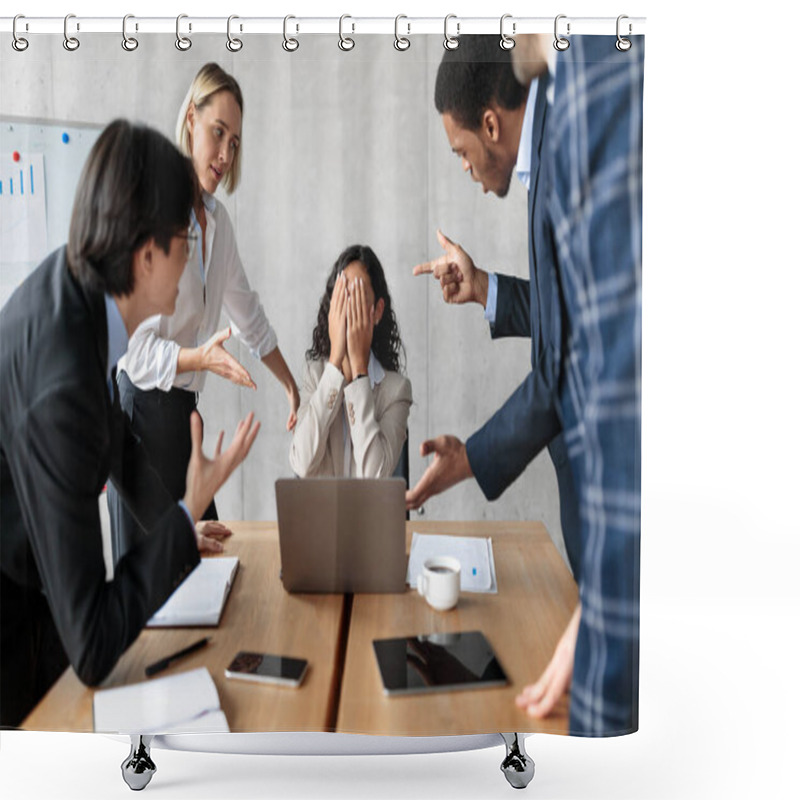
421, 588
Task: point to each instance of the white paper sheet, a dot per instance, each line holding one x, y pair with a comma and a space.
474, 553
179, 703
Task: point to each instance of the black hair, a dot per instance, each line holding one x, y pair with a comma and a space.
134, 186
386, 342
473, 76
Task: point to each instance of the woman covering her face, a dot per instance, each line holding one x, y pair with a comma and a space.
169, 356
354, 401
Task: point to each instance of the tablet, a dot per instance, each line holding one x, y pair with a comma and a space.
437, 662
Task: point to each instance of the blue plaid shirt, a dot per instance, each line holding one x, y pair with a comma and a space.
595, 212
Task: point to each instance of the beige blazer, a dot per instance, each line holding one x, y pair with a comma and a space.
376, 419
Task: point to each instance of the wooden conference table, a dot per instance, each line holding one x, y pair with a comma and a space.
342, 690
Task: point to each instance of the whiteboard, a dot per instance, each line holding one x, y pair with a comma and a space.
58, 150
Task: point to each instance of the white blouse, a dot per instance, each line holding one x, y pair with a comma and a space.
203, 291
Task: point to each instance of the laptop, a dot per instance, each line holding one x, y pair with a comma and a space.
342, 534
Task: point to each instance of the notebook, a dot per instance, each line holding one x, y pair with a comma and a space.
187, 702
342, 534
200, 599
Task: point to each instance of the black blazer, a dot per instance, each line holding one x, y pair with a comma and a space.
528, 421
61, 437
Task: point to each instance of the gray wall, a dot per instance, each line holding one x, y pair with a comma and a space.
338, 148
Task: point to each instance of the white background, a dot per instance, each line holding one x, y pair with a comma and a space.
720, 603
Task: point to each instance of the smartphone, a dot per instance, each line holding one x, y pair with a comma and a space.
265, 668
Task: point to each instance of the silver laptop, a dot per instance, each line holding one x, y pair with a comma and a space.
342, 534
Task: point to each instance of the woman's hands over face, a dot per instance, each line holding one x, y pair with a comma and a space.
351, 321
337, 322
360, 324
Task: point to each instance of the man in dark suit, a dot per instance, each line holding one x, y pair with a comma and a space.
495, 125
62, 433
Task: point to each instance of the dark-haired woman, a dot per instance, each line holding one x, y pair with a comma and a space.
354, 402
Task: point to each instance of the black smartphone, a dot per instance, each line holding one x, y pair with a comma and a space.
266, 668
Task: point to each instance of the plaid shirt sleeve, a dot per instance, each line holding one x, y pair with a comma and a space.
595, 212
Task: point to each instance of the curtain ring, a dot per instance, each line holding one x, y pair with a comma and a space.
289, 44
507, 42
451, 42
71, 43
401, 43
622, 44
129, 43
233, 44
183, 43
559, 42
345, 42
18, 43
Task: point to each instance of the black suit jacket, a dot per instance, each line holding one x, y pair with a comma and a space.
61, 437
528, 421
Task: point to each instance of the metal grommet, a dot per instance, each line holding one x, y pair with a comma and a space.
559, 42
507, 42
345, 42
71, 43
289, 44
401, 43
622, 44
451, 42
129, 43
233, 44
183, 43
18, 42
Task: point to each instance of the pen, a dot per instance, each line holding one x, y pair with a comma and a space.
165, 662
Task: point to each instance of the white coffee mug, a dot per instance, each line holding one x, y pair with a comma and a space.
440, 581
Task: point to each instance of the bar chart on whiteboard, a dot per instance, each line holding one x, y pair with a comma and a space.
23, 212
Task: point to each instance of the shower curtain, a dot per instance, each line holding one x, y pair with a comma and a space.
343, 146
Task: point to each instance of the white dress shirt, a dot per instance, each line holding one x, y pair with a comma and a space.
204, 290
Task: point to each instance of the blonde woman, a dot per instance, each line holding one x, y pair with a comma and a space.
168, 357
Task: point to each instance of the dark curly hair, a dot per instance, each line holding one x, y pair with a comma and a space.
386, 342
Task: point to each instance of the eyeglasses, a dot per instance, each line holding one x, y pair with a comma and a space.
191, 243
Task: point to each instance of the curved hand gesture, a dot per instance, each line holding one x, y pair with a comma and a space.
294, 403
460, 279
539, 699
205, 476
450, 465
216, 359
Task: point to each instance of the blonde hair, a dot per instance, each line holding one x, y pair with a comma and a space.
209, 80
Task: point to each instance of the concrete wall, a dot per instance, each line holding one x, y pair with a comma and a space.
338, 148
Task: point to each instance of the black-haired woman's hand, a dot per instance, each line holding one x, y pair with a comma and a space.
337, 322
360, 323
